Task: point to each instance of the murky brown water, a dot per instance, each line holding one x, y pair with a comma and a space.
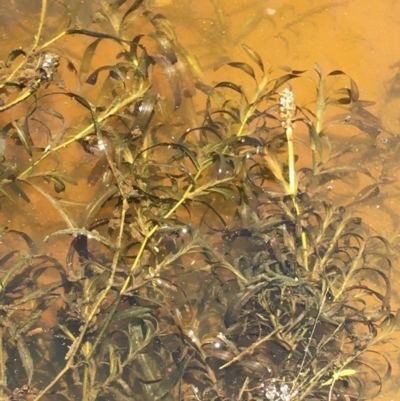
355, 36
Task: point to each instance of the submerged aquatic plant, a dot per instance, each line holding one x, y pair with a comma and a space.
207, 266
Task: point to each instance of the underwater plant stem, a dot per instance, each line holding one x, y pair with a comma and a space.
292, 171
155, 228
311, 336
287, 112
318, 126
313, 146
27, 93
320, 109
149, 235
243, 388
8, 79
110, 316
82, 134
304, 250
85, 384
358, 260
52, 40
114, 265
19, 99
75, 347
3, 377
254, 104
78, 341
250, 350
41, 23
113, 110
135, 263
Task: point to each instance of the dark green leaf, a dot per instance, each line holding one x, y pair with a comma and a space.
237, 303
165, 46
146, 111
89, 234
27, 239
182, 148
96, 203
314, 135
244, 67
26, 358
354, 92
172, 78
116, 74
132, 312
134, 45
254, 56
95, 34
11, 271
131, 9
17, 190
230, 85
25, 139
13, 55
161, 24
283, 79
59, 186
87, 58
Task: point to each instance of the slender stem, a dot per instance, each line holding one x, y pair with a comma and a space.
86, 383
318, 125
52, 40
253, 105
3, 376
149, 235
111, 279
19, 99
41, 23
76, 346
85, 131
92, 313
292, 171
250, 349
155, 228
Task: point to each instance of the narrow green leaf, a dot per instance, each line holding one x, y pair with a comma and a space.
132, 312
96, 203
13, 55
244, 67
18, 191
131, 9
254, 56
24, 138
26, 358
165, 46
94, 34
87, 59
172, 78
27, 239
114, 73
81, 231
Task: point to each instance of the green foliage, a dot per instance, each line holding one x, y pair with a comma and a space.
195, 272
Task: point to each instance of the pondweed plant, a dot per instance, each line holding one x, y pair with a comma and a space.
208, 266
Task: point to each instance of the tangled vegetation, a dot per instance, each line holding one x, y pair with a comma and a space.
212, 263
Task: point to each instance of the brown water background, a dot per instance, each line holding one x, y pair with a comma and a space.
357, 36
